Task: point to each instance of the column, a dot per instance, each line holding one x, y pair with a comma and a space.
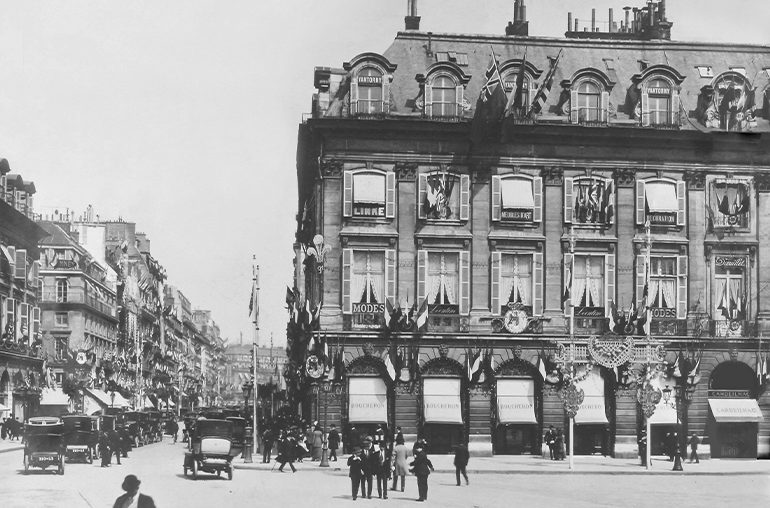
553, 218
480, 224
406, 174
625, 223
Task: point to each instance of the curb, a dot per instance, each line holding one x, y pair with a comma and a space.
11, 449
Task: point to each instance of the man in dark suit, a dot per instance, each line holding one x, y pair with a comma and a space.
356, 473
461, 462
381, 459
132, 498
333, 442
369, 464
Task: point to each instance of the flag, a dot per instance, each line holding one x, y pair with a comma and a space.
389, 366
475, 370
473, 362
545, 88
316, 318
290, 298
519, 110
392, 315
608, 202
764, 370
760, 374
491, 360
613, 315
421, 317
541, 365
490, 106
568, 282
723, 303
677, 366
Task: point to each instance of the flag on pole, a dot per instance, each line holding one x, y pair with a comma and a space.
389, 366
516, 106
491, 360
723, 302
475, 370
541, 365
568, 282
490, 105
421, 317
545, 88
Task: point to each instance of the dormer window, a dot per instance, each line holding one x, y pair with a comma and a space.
370, 76
444, 196
589, 102
517, 199
443, 98
661, 202
589, 96
369, 100
369, 194
443, 90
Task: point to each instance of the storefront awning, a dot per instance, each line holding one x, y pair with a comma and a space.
517, 193
120, 401
368, 400
592, 411
661, 197
516, 401
735, 410
441, 400
53, 397
100, 396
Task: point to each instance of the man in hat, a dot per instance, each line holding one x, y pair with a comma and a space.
369, 467
356, 473
132, 498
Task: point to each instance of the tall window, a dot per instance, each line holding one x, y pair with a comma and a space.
659, 102
730, 296
442, 198
368, 281
588, 283
444, 97
443, 271
509, 83
517, 200
589, 102
370, 91
593, 201
516, 279
369, 195
62, 288
663, 280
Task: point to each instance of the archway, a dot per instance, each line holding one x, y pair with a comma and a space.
733, 411
368, 402
444, 404
518, 408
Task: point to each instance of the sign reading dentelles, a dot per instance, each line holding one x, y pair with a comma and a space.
367, 316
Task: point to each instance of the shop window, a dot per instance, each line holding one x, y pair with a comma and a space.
729, 204
589, 286
517, 279
367, 92
517, 200
660, 202
368, 279
369, 194
62, 290
660, 103
729, 294
667, 290
443, 196
589, 200
443, 278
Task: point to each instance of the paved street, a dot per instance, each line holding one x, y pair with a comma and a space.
159, 466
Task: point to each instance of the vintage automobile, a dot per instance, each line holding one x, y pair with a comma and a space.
239, 435
154, 426
211, 444
80, 437
133, 424
44, 443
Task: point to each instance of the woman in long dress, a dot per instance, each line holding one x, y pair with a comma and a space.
400, 468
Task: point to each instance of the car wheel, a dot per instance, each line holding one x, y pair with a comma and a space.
26, 463
195, 469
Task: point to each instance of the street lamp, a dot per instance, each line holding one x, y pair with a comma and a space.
326, 386
676, 405
247, 387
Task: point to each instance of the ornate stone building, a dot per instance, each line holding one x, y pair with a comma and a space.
625, 191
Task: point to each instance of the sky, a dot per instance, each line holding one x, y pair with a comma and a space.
182, 115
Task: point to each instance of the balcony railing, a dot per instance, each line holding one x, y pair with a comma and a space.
724, 328
20, 348
78, 297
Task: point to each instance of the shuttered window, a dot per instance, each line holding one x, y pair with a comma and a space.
517, 199
443, 196
443, 97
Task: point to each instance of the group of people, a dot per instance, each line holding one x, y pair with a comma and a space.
670, 446
295, 444
111, 442
11, 428
554, 439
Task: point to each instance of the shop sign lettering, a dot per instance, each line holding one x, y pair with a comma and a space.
369, 210
589, 312
443, 309
663, 218
663, 313
656, 90
517, 214
728, 394
369, 80
730, 261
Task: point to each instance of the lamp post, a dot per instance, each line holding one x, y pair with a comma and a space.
677, 406
247, 387
326, 386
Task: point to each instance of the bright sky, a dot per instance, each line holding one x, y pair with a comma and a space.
182, 115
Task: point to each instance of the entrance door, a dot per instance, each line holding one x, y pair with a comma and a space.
442, 438
735, 441
591, 439
514, 439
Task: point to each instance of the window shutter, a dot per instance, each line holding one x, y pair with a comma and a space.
34, 272
573, 107
465, 197
35, 322
640, 277
537, 276
465, 282
12, 261
353, 95
459, 92
23, 322
537, 191
21, 264
641, 203
422, 276
681, 308
390, 195
422, 195
675, 108
569, 203
645, 109
495, 286
568, 307
386, 93
347, 260
428, 100
605, 105
10, 316
496, 198
609, 282
681, 190
390, 275
347, 194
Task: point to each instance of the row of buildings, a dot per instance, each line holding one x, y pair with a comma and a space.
623, 173
89, 318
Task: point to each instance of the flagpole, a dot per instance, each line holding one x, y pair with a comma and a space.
572, 241
255, 347
648, 448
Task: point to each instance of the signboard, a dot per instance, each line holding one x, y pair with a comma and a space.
729, 394
663, 313
516, 401
367, 316
445, 309
368, 400
517, 215
656, 90
730, 261
662, 218
589, 312
510, 85
369, 209
369, 80
441, 400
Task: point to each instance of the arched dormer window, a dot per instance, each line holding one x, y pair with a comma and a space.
517, 199
370, 79
369, 193
510, 71
657, 93
661, 201
589, 96
444, 90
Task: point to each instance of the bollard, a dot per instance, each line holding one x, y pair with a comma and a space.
247, 445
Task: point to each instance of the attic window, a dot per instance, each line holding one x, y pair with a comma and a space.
609, 63
643, 64
739, 70
460, 59
705, 71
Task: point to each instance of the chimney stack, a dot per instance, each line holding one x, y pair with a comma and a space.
515, 11
522, 12
611, 22
662, 9
628, 13
519, 26
593, 20
569, 21
412, 20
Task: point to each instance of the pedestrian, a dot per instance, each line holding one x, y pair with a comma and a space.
115, 445
354, 438
671, 443
356, 473
400, 454
379, 436
420, 444
267, 445
308, 440
333, 440
643, 446
104, 449
3, 429
317, 443
132, 498
382, 459
461, 462
550, 440
370, 465
301, 448
286, 452
173, 428
694, 442
560, 451
421, 467
398, 434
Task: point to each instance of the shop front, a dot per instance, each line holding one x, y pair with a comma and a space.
517, 430
443, 425
367, 404
592, 431
734, 414
663, 423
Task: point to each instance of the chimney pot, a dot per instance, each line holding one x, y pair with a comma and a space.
576, 24
515, 11
611, 21
523, 12
569, 21
593, 20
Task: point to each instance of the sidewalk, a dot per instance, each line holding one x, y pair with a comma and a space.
10, 446
524, 464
